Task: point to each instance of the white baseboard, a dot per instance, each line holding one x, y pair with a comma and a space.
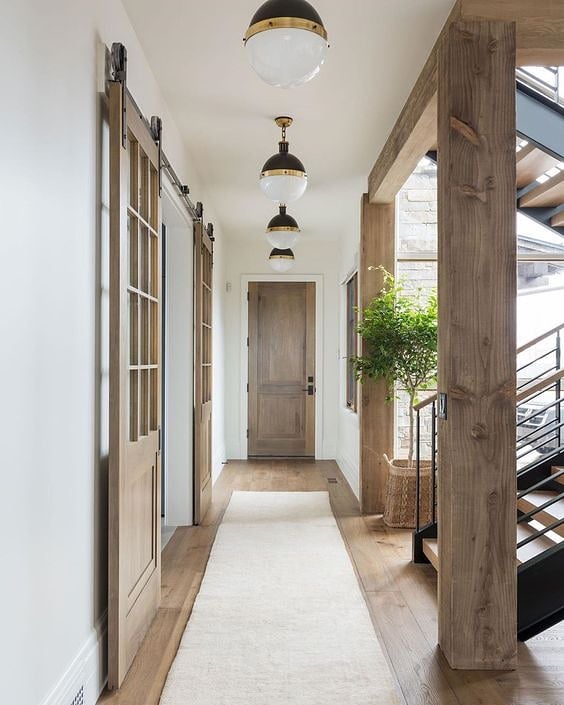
351, 472
88, 670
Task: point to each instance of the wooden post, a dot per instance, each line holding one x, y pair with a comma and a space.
477, 345
377, 247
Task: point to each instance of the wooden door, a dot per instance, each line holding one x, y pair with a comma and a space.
203, 268
135, 397
281, 393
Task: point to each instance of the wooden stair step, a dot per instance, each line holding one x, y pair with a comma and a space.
547, 516
531, 163
431, 550
555, 469
547, 195
557, 221
534, 548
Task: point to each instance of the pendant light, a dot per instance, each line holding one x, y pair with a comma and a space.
283, 178
286, 42
282, 231
281, 260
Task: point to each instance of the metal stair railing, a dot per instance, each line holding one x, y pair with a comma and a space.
545, 439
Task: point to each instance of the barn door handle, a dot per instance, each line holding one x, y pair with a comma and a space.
309, 389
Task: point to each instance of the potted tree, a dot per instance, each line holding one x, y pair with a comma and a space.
400, 334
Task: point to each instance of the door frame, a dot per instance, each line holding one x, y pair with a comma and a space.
317, 279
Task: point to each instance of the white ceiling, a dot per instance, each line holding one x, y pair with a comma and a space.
342, 117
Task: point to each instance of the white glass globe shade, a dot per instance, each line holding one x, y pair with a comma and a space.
281, 265
283, 188
283, 239
286, 57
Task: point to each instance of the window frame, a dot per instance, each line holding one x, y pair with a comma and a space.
351, 341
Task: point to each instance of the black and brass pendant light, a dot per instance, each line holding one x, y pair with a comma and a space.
283, 177
281, 260
286, 42
283, 231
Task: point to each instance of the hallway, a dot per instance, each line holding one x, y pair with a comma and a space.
400, 595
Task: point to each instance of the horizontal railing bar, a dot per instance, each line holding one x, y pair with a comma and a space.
533, 448
540, 532
536, 432
528, 400
539, 338
540, 386
539, 376
540, 357
542, 482
559, 400
540, 508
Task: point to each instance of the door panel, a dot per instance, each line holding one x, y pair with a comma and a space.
203, 289
135, 387
281, 363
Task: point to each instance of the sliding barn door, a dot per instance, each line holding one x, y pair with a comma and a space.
203, 267
135, 396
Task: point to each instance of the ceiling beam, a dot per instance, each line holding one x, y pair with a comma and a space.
539, 25
540, 41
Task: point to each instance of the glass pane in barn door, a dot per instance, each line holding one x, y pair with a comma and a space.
134, 497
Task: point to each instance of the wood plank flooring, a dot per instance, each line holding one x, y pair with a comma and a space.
401, 598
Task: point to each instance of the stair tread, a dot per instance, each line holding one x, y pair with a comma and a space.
538, 498
554, 470
531, 163
557, 221
534, 548
548, 194
431, 550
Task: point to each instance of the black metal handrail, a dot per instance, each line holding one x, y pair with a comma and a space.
431, 408
547, 438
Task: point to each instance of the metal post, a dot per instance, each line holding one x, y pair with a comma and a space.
558, 390
418, 471
433, 462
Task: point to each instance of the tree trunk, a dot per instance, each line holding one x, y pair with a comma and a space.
411, 428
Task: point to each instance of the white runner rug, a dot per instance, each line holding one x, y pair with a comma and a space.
279, 619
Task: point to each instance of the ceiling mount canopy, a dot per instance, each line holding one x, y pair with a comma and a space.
283, 231
281, 260
286, 42
283, 178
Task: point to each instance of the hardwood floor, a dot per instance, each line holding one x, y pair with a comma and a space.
401, 597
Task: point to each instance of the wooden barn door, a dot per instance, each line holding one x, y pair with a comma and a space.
203, 268
135, 386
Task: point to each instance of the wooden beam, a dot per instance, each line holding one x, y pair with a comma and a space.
539, 26
377, 247
540, 41
477, 342
413, 135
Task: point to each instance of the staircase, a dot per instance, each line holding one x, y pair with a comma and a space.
540, 483
540, 414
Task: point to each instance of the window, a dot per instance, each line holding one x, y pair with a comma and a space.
352, 341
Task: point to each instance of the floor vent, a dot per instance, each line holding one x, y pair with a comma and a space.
332, 480
79, 697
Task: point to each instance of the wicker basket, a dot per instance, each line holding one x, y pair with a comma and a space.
399, 511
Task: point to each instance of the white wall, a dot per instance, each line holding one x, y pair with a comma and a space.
348, 433
178, 366
53, 359
251, 257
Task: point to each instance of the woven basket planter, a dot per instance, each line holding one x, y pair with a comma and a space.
399, 511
